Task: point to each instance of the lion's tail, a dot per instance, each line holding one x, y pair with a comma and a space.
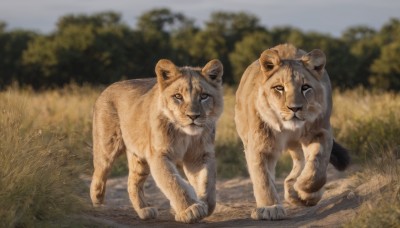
340, 157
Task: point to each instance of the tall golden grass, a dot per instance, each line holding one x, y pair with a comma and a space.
368, 123
46, 145
365, 121
43, 152
382, 207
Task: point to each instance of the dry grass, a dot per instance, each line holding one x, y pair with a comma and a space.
381, 207
366, 122
369, 125
42, 155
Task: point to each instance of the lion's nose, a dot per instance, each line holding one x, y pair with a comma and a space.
295, 108
193, 117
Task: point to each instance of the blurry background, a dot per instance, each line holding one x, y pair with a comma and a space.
56, 56
52, 43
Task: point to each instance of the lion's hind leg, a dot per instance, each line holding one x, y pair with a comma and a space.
107, 145
138, 173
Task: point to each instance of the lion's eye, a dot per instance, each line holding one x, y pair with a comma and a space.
204, 96
178, 96
279, 88
305, 87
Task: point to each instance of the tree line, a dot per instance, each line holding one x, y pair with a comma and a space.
100, 49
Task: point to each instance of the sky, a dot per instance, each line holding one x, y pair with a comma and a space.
325, 16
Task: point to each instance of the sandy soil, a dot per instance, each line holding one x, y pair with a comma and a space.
235, 201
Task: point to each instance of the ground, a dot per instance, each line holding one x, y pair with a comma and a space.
235, 201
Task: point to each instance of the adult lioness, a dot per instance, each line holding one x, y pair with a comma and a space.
160, 123
284, 103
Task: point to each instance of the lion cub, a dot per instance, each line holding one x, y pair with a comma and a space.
159, 123
284, 103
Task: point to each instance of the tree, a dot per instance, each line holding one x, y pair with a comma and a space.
182, 45
96, 49
385, 69
102, 19
233, 26
223, 30
363, 49
247, 51
157, 27
340, 63
287, 34
390, 32
12, 45
3, 26
101, 49
357, 33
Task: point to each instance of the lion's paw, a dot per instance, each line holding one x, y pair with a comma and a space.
307, 198
97, 205
192, 214
292, 197
147, 213
274, 212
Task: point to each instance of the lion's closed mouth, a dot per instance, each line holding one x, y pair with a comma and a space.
296, 118
195, 125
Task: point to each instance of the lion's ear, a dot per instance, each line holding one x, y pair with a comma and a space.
269, 61
315, 61
213, 71
165, 71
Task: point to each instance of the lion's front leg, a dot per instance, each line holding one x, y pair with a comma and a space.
291, 195
313, 177
201, 173
269, 206
181, 195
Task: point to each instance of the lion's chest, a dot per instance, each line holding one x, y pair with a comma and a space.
287, 139
175, 146
179, 147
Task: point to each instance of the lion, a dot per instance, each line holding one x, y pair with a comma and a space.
283, 103
161, 123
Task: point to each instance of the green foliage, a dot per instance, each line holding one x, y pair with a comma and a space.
232, 26
12, 46
3, 26
92, 49
386, 71
101, 49
363, 50
247, 51
155, 28
104, 19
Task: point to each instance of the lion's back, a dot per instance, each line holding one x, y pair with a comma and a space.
124, 93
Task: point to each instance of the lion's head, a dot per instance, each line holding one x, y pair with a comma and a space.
293, 91
191, 98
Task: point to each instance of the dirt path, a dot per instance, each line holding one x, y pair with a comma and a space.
235, 201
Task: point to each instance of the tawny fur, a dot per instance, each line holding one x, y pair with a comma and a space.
284, 103
159, 123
